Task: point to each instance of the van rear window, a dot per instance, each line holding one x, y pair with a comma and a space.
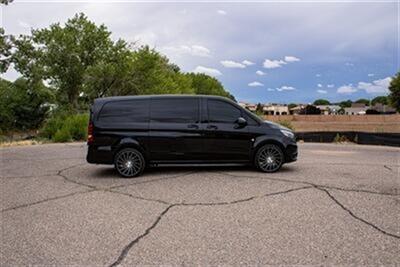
125, 111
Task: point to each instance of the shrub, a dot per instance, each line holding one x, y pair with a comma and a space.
286, 124
62, 135
65, 128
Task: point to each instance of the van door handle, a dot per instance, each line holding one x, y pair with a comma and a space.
212, 127
193, 126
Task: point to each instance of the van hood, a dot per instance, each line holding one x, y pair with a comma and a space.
276, 126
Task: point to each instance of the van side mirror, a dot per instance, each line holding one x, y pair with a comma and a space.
241, 122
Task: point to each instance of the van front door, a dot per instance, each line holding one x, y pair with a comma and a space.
224, 139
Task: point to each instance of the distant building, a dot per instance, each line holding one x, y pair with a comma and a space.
329, 109
275, 109
356, 109
249, 106
383, 109
296, 110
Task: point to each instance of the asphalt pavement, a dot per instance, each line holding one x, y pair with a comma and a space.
338, 204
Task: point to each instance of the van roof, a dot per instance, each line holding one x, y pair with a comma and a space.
116, 98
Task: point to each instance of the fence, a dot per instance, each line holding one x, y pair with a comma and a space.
341, 123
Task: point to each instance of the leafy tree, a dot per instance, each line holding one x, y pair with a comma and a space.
321, 102
394, 95
380, 99
363, 101
6, 2
259, 109
63, 54
345, 104
207, 85
310, 110
23, 104
292, 105
5, 50
152, 73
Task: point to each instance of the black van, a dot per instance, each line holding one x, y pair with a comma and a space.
132, 132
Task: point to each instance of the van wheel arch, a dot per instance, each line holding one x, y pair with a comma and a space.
265, 142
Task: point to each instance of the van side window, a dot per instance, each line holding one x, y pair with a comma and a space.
125, 111
222, 112
183, 110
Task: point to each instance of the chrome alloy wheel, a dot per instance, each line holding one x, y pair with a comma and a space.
129, 162
269, 158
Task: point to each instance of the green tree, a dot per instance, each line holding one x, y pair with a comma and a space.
310, 110
345, 104
380, 99
5, 50
23, 105
207, 85
63, 54
321, 102
151, 73
394, 95
362, 101
292, 105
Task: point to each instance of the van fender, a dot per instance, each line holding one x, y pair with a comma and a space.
129, 142
269, 139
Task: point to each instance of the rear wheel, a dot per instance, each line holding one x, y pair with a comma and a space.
269, 158
129, 162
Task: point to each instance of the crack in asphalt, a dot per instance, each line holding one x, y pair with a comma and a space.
323, 188
128, 247
45, 200
312, 184
356, 217
387, 167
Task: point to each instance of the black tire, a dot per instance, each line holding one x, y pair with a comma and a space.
129, 162
269, 158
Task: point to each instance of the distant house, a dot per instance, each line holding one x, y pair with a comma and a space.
383, 109
275, 109
296, 110
329, 109
356, 109
249, 106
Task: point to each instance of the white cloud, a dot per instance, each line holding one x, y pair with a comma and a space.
330, 85
322, 91
346, 89
208, 71
232, 64
146, 38
23, 24
247, 62
271, 64
291, 59
270, 89
261, 73
255, 84
319, 85
377, 86
221, 12
370, 74
194, 50
317, 75
349, 64
285, 88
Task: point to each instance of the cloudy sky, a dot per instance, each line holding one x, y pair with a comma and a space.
261, 51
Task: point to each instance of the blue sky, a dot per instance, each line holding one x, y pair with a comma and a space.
261, 52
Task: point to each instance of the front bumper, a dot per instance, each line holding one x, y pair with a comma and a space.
291, 153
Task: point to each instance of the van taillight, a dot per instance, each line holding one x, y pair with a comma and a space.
90, 137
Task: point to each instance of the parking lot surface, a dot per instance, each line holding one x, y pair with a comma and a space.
339, 204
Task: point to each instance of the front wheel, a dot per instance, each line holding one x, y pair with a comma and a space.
129, 162
269, 158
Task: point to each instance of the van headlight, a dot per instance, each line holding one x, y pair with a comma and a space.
288, 133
